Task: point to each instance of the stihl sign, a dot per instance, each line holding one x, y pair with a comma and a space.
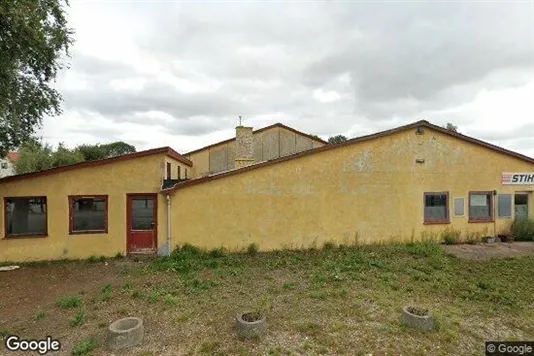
517, 178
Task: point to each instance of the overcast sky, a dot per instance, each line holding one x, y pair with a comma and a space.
157, 73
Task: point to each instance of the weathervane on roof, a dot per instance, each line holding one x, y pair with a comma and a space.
240, 118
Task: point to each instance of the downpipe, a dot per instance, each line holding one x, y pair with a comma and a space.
169, 240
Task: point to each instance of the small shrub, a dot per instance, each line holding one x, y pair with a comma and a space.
472, 238
69, 302
136, 294
119, 255
218, 252
127, 285
450, 236
171, 300
328, 246
196, 285
107, 292
523, 229
154, 296
85, 347
252, 249
92, 259
423, 249
40, 315
187, 249
5, 332
79, 318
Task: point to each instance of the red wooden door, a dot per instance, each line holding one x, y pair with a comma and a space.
142, 224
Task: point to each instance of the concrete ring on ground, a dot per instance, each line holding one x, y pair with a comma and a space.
250, 329
418, 318
126, 332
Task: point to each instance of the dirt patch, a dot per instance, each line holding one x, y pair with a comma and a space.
494, 250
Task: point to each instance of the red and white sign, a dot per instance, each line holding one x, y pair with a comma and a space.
517, 178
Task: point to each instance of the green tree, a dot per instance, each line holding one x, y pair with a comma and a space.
34, 38
63, 156
36, 156
98, 151
337, 139
451, 127
118, 148
92, 152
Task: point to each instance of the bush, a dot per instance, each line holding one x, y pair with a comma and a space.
328, 246
473, 238
450, 236
424, 249
69, 302
218, 252
187, 249
523, 229
252, 249
78, 319
85, 347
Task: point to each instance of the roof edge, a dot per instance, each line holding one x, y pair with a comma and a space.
278, 124
161, 150
347, 143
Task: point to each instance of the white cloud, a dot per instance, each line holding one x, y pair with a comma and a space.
325, 96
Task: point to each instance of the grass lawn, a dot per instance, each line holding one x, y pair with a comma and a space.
331, 301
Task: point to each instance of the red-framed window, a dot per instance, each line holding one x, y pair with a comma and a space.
25, 217
88, 214
481, 206
436, 207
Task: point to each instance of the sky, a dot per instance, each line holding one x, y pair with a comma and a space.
169, 73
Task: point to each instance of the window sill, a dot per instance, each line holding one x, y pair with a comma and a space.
480, 221
19, 237
437, 222
88, 232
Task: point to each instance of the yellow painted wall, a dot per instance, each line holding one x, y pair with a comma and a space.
139, 175
371, 191
174, 169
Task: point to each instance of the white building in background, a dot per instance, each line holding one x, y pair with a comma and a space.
7, 166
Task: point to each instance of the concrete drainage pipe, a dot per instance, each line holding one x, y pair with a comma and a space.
418, 318
126, 332
250, 329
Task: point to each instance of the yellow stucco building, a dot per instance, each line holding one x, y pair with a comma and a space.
276, 187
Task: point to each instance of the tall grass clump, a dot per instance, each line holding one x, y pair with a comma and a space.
188, 259
450, 236
523, 229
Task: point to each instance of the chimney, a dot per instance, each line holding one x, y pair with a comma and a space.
244, 154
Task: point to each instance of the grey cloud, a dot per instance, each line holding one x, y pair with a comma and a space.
391, 51
525, 132
404, 62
